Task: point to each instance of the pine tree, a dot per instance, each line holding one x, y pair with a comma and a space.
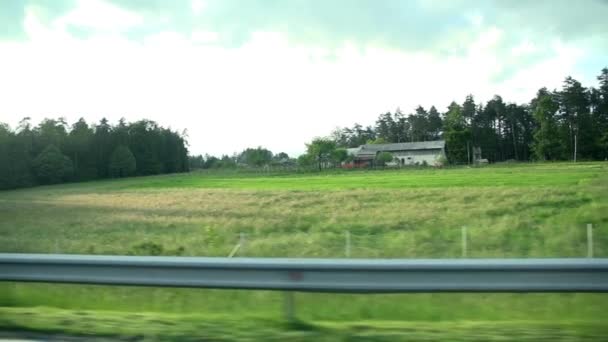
78, 146
5, 173
547, 142
600, 116
576, 119
435, 124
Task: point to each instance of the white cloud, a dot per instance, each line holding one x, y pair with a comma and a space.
524, 48
204, 37
99, 15
198, 6
268, 91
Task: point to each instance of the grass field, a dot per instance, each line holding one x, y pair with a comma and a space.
523, 210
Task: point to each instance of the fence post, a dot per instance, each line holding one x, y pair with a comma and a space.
589, 240
289, 306
238, 246
347, 245
464, 241
242, 242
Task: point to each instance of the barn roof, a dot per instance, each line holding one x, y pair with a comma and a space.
369, 151
419, 145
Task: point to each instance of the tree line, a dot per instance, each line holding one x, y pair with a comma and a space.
321, 153
248, 158
563, 124
55, 152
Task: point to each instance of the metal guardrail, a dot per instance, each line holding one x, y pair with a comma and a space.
317, 275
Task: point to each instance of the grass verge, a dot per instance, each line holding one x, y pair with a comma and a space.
150, 327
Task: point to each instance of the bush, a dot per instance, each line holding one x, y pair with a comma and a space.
305, 160
383, 158
441, 161
154, 249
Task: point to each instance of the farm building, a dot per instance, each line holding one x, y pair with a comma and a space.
412, 153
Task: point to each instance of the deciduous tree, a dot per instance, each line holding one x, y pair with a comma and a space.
51, 166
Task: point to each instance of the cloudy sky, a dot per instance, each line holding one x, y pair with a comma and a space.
276, 73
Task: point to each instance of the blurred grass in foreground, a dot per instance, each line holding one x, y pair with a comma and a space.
166, 327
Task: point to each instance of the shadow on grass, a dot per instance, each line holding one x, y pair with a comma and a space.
299, 325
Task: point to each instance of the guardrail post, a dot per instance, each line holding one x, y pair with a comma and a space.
347, 245
464, 241
289, 306
589, 240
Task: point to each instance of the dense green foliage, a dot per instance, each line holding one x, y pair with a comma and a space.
321, 151
456, 134
51, 167
122, 162
258, 157
548, 145
53, 153
551, 127
383, 158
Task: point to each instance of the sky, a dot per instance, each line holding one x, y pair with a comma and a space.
277, 73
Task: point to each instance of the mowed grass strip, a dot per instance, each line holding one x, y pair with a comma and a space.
538, 210
510, 175
521, 175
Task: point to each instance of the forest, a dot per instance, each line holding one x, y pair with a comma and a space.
54, 152
565, 124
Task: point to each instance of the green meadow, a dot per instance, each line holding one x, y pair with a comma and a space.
510, 211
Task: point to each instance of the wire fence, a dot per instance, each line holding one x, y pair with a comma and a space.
587, 240
583, 240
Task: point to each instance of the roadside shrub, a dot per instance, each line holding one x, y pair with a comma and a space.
154, 249
147, 248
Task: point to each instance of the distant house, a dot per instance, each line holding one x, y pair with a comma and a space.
412, 153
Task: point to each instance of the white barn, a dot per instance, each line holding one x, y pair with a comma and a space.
413, 153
